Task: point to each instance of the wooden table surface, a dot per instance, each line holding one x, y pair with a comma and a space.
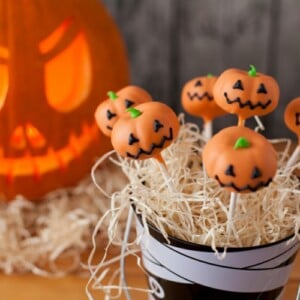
30, 287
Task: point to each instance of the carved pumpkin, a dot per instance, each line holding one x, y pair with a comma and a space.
197, 98
240, 159
108, 112
292, 117
58, 58
145, 130
246, 94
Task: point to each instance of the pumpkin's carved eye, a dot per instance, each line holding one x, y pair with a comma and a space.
256, 173
132, 139
67, 70
157, 125
198, 83
262, 89
110, 114
230, 171
128, 103
238, 85
4, 82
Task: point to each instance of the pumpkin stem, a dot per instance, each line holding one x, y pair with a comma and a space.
134, 113
112, 95
209, 75
241, 142
252, 71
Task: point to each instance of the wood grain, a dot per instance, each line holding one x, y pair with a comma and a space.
172, 41
30, 287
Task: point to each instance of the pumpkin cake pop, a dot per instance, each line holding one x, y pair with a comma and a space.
246, 94
112, 108
240, 159
292, 117
197, 98
145, 130
292, 121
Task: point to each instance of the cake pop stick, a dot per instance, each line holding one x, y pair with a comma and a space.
197, 99
292, 121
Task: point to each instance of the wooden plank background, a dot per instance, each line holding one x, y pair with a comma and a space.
172, 41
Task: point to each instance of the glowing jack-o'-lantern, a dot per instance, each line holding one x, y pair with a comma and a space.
57, 59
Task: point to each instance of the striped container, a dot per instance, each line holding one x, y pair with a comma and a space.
183, 270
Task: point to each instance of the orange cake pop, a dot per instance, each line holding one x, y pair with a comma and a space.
197, 98
292, 121
112, 108
246, 94
240, 159
145, 131
292, 117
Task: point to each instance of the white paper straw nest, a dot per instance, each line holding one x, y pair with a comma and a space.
48, 237
192, 207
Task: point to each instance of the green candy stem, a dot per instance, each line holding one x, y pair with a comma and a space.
112, 95
209, 75
241, 143
252, 71
134, 113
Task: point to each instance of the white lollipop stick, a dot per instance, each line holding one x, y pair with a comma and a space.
207, 130
292, 160
232, 205
123, 250
260, 125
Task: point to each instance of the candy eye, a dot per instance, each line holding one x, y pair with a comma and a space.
230, 171
132, 139
110, 115
128, 103
238, 85
262, 89
297, 119
198, 83
157, 125
256, 173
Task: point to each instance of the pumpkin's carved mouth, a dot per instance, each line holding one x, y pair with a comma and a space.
153, 146
36, 166
199, 97
247, 103
247, 187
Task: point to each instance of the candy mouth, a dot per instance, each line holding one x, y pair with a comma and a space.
245, 188
153, 146
247, 103
199, 97
36, 166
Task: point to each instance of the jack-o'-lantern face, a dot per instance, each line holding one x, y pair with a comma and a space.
246, 94
145, 130
109, 111
197, 98
292, 117
56, 60
240, 159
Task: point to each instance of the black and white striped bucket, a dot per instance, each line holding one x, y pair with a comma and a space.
183, 270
